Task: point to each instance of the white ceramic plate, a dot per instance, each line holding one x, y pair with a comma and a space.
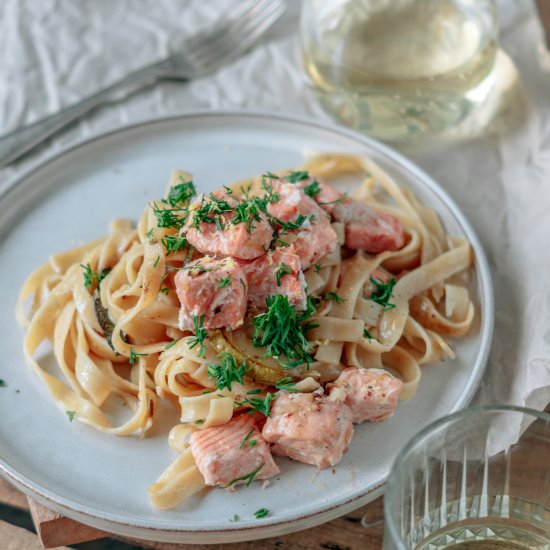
102, 480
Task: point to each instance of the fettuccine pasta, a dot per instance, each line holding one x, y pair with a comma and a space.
369, 283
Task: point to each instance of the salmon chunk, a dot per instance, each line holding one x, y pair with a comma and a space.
278, 272
225, 454
315, 237
371, 394
245, 240
214, 290
310, 428
366, 229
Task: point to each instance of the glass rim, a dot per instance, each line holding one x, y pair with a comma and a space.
389, 523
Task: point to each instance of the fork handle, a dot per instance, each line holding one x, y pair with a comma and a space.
19, 142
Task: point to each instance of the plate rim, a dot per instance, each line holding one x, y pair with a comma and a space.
271, 528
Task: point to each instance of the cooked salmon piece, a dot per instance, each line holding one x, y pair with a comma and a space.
309, 427
366, 228
371, 394
278, 272
245, 240
225, 454
315, 237
213, 289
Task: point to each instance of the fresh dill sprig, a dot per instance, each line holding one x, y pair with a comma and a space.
227, 371
246, 437
286, 384
367, 334
282, 330
168, 218
258, 404
382, 292
295, 177
317, 268
134, 356
336, 201
249, 478
200, 336
71, 415
261, 513
312, 189
174, 243
180, 194
333, 297
92, 279
226, 281
280, 270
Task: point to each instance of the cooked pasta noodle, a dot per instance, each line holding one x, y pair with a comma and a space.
110, 310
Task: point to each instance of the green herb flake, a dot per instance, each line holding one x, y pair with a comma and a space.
367, 334
71, 415
382, 293
333, 297
92, 279
200, 336
226, 371
180, 194
257, 404
261, 513
312, 189
235, 518
156, 261
248, 478
2, 383
295, 177
317, 268
280, 270
252, 443
246, 437
282, 330
286, 384
172, 343
226, 281
175, 243
199, 421
134, 356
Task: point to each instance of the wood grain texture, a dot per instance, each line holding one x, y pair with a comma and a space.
54, 529
11, 496
15, 538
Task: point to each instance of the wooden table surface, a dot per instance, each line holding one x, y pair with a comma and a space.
345, 533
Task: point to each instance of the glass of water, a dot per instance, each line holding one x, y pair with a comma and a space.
477, 479
398, 69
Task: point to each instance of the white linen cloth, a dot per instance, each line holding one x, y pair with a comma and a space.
55, 53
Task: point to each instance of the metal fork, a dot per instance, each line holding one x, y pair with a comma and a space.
202, 54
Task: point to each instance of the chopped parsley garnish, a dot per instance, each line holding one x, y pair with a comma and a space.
134, 356
246, 437
382, 292
169, 218
200, 336
333, 297
235, 518
2, 383
280, 270
180, 194
92, 279
261, 513
367, 334
71, 415
317, 268
312, 189
226, 281
226, 371
295, 177
173, 243
282, 330
249, 478
286, 384
258, 404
